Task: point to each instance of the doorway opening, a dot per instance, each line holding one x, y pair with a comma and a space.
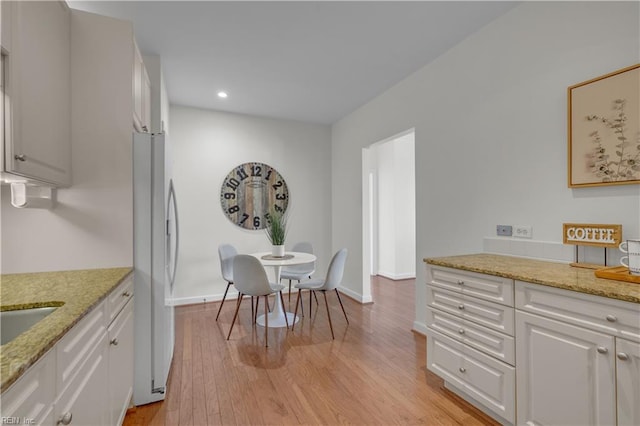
388, 210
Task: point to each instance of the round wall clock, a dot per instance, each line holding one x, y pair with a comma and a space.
250, 191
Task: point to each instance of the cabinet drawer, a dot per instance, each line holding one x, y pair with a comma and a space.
489, 381
73, 349
610, 316
493, 315
31, 397
491, 342
119, 297
486, 287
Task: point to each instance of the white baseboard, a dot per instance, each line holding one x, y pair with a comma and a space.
206, 298
392, 276
355, 296
420, 327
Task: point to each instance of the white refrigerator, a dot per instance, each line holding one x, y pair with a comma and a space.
155, 260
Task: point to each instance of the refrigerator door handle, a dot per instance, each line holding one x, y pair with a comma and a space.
172, 263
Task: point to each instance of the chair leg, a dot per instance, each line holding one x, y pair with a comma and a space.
286, 319
223, 297
255, 318
290, 291
310, 293
295, 314
328, 313
266, 322
341, 305
314, 295
252, 310
236, 314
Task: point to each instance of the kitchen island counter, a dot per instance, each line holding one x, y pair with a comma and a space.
560, 275
74, 293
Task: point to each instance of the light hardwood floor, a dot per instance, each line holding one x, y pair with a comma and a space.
372, 373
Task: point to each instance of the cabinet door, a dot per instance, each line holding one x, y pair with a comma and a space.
38, 82
84, 401
121, 364
628, 375
565, 374
31, 397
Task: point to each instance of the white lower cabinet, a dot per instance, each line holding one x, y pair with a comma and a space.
87, 377
83, 401
29, 399
121, 364
566, 374
483, 378
530, 354
628, 382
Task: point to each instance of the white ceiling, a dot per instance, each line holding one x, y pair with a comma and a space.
307, 61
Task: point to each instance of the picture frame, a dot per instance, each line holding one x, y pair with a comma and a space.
604, 130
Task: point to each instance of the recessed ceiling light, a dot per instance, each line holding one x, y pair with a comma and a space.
222, 94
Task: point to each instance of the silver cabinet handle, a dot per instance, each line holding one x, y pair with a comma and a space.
611, 318
20, 157
460, 282
460, 307
114, 341
126, 294
65, 419
622, 356
602, 350
462, 369
461, 331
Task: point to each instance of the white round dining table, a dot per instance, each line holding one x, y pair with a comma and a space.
277, 315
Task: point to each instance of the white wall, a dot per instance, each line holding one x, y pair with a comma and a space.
92, 225
206, 146
490, 128
396, 207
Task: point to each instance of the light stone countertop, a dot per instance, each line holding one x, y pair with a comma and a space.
75, 293
560, 275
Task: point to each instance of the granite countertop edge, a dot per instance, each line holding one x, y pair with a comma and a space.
64, 289
553, 274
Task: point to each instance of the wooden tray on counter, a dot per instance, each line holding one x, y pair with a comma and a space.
619, 273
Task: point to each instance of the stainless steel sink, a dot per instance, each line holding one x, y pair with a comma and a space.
14, 323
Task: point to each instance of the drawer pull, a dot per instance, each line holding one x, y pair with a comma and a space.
461, 331
602, 350
126, 294
20, 157
622, 356
114, 341
460, 282
65, 419
460, 307
462, 369
611, 318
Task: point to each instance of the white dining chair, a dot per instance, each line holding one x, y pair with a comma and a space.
226, 252
302, 271
330, 282
250, 279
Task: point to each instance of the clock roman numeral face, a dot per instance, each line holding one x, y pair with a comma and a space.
250, 191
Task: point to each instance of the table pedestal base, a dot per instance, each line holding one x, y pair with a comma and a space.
276, 319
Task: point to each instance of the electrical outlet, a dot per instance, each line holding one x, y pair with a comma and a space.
504, 230
522, 231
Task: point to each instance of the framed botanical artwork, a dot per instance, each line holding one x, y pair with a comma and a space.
604, 130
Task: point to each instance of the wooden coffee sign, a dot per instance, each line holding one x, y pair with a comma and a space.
598, 235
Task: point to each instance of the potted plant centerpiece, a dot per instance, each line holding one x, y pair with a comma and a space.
277, 232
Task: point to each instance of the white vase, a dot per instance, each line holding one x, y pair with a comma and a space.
277, 251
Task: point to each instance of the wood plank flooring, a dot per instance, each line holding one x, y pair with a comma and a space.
373, 373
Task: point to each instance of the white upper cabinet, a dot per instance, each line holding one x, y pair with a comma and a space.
141, 94
36, 92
